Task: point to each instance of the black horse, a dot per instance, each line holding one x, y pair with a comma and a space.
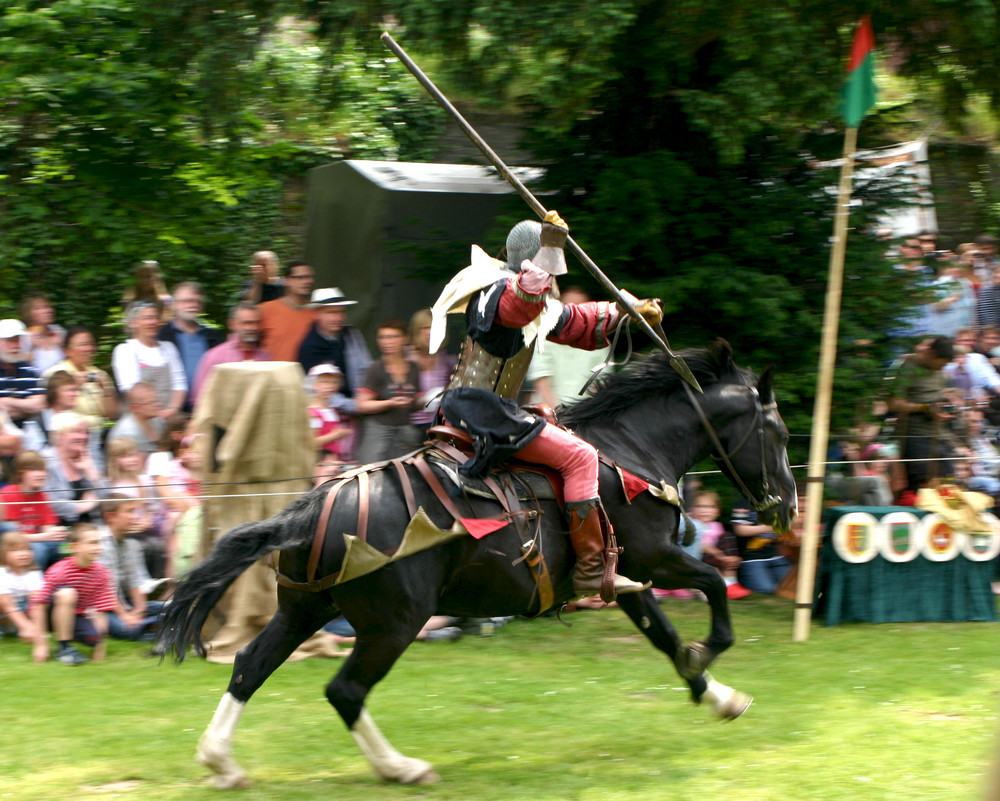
643, 418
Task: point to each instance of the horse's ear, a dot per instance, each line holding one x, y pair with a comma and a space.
765, 385
723, 353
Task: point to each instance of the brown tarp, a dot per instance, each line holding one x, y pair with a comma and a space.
255, 436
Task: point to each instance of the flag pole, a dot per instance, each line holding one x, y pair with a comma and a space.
820, 435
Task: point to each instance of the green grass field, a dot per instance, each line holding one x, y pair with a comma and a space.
539, 711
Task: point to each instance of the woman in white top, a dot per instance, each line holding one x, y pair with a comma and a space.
45, 337
145, 358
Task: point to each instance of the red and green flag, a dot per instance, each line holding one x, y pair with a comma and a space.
858, 94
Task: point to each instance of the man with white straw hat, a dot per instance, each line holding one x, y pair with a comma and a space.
331, 341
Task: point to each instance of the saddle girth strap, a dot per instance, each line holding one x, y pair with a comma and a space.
435, 485
319, 538
404, 480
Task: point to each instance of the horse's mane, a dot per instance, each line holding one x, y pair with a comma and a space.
649, 376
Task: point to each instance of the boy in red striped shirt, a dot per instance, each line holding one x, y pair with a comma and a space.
74, 599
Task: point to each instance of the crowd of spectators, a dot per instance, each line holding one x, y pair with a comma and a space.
104, 462
939, 417
99, 467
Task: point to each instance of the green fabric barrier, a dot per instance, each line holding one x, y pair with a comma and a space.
880, 591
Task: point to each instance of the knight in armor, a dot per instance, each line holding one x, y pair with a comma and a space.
507, 306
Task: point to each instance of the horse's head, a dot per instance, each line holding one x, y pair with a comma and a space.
751, 447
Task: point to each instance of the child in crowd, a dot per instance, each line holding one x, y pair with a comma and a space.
718, 546
19, 580
158, 463
126, 478
29, 510
185, 476
176, 471
74, 600
329, 431
123, 558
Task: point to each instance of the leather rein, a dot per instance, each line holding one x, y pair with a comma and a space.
768, 501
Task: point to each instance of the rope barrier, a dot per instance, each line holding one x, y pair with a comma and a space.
296, 494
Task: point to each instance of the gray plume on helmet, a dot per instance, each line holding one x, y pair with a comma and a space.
523, 242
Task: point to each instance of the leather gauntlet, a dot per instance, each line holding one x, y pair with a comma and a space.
650, 309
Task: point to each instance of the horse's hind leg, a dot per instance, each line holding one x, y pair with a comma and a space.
286, 631
643, 610
373, 655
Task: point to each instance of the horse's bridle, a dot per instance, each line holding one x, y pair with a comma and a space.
769, 501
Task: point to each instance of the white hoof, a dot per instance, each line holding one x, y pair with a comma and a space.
407, 770
430, 777
727, 703
735, 706
389, 765
404, 770
215, 756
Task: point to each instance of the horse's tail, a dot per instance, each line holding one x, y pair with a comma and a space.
200, 590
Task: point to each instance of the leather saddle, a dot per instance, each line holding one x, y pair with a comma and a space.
527, 481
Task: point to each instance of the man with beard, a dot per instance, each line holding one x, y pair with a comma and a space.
243, 344
186, 331
21, 391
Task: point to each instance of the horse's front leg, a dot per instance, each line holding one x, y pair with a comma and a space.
642, 609
708, 580
681, 570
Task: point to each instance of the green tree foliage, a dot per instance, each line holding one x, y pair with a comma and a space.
676, 137
169, 131
675, 134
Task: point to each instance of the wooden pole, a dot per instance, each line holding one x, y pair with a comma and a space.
824, 390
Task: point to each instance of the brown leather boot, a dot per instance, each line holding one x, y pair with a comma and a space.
592, 574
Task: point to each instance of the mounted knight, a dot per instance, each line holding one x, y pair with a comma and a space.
508, 306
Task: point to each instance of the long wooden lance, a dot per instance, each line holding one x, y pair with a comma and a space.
675, 361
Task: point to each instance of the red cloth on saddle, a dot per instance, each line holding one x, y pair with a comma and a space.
633, 485
480, 528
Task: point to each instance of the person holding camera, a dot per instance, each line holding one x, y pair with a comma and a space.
954, 300
917, 395
97, 399
389, 394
